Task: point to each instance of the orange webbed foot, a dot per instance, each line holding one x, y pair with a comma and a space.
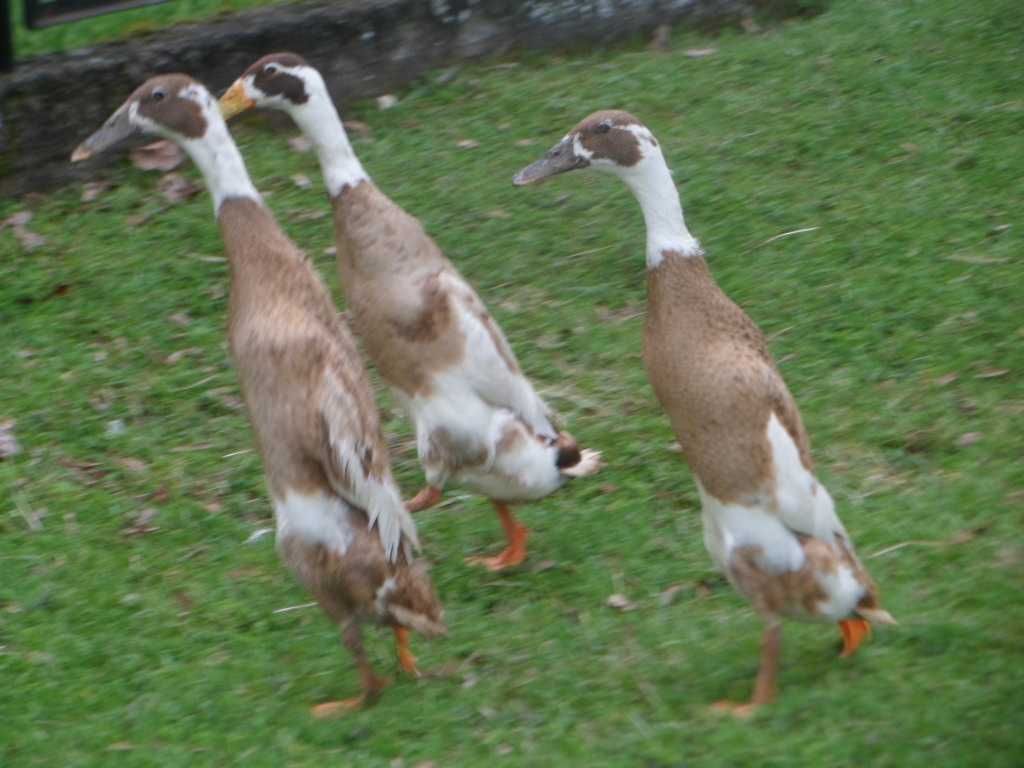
405, 658
514, 554
854, 632
428, 497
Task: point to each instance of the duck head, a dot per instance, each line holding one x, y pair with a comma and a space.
408, 599
173, 107
609, 140
281, 81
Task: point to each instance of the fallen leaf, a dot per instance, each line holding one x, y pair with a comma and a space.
34, 519
998, 229
161, 155
703, 588
992, 373
116, 427
314, 214
300, 143
946, 379
497, 213
121, 746
467, 143
8, 443
142, 523
909, 147
969, 534
18, 222
258, 534
93, 189
330, 251
504, 749
699, 53
966, 258
359, 128
669, 595
133, 465
178, 355
301, 181
387, 101
525, 142
749, 25
88, 472
184, 601
674, 448
620, 602
180, 318
544, 565
968, 439
15, 220
607, 488
175, 188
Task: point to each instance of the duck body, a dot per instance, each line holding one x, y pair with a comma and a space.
342, 528
769, 524
479, 422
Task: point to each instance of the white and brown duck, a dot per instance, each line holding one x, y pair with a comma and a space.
769, 524
479, 421
341, 525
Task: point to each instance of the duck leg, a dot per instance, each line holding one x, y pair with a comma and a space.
765, 688
352, 636
428, 497
515, 532
405, 658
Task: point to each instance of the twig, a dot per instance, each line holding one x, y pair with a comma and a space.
789, 234
289, 608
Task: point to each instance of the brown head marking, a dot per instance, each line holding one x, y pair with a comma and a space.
270, 78
603, 134
159, 100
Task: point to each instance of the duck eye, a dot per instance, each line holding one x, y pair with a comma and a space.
270, 69
603, 128
158, 94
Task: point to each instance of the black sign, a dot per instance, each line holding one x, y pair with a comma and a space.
46, 13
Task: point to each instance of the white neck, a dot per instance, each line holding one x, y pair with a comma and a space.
319, 121
220, 163
652, 184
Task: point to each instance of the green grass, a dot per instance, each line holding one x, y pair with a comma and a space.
892, 127
115, 26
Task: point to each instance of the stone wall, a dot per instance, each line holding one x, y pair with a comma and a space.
363, 47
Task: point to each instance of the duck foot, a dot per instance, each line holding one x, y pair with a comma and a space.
405, 658
428, 497
515, 532
854, 632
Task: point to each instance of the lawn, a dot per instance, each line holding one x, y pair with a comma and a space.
890, 131
114, 26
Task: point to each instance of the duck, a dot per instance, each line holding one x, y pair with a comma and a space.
478, 419
768, 523
341, 526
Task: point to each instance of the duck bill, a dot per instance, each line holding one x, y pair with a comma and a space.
117, 128
561, 158
235, 101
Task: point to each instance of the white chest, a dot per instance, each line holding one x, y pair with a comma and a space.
315, 519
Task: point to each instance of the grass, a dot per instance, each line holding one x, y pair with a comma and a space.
115, 26
892, 127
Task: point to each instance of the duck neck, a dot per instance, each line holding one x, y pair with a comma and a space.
221, 164
652, 184
319, 121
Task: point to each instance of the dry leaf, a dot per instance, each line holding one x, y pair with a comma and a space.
93, 189
313, 214
497, 213
142, 523
133, 465
607, 488
161, 155
18, 222
966, 258
467, 143
544, 565
387, 101
121, 746
175, 188
992, 373
669, 595
301, 181
946, 379
525, 142
8, 444
359, 128
620, 602
700, 53
968, 439
703, 588
300, 143
15, 220
330, 251
180, 318
749, 25
184, 601
116, 427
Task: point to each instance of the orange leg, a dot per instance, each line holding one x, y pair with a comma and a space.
854, 632
428, 497
515, 532
766, 688
405, 658
372, 685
